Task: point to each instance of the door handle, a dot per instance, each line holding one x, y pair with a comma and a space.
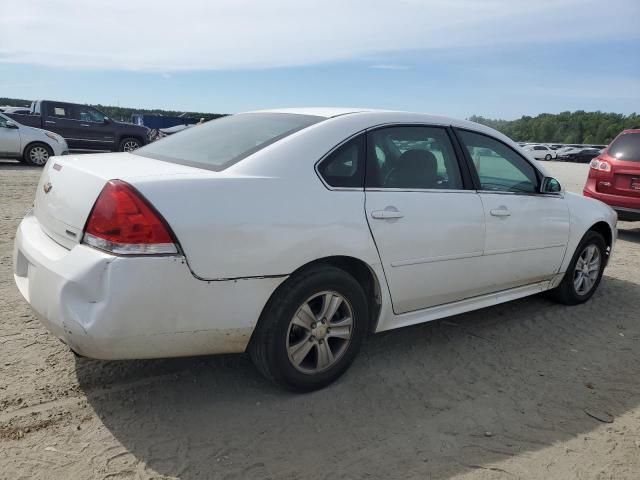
49, 121
84, 125
386, 214
500, 212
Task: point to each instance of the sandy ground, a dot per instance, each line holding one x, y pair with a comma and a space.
507, 392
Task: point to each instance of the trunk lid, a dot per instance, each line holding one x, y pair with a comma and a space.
70, 185
626, 178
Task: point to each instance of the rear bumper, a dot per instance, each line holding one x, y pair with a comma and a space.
110, 307
627, 208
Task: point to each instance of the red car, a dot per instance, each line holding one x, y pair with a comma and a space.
614, 176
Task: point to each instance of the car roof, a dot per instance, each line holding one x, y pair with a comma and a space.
375, 116
326, 112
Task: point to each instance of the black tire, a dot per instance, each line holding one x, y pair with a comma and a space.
566, 292
547, 157
268, 346
37, 154
129, 144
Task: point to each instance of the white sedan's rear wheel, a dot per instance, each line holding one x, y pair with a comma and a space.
311, 329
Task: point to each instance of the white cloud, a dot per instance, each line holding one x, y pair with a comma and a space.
389, 66
168, 36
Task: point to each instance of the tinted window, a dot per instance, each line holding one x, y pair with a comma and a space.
539, 148
345, 166
58, 110
412, 158
504, 170
217, 144
626, 147
87, 114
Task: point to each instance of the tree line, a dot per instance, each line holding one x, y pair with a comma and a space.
567, 127
120, 113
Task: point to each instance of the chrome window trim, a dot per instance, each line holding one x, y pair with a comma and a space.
524, 194
419, 190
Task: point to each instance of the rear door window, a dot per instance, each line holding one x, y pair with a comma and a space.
412, 158
626, 147
60, 111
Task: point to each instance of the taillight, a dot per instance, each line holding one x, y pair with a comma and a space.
600, 165
123, 222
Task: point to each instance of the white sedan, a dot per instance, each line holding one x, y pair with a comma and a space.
541, 152
30, 145
292, 234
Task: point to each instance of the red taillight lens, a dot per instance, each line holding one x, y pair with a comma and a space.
600, 165
123, 222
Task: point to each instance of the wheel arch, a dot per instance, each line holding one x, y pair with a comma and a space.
604, 229
37, 142
124, 137
360, 270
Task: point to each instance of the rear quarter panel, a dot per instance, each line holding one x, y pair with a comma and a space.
234, 227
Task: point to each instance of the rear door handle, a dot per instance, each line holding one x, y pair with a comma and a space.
84, 125
49, 121
500, 212
386, 214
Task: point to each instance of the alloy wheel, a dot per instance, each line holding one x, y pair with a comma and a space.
587, 269
130, 146
319, 332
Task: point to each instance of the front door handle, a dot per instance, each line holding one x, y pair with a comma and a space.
84, 125
386, 214
49, 121
501, 212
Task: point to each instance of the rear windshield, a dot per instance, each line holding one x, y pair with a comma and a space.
220, 143
626, 147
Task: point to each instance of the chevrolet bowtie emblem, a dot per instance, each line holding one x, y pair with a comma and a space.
47, 187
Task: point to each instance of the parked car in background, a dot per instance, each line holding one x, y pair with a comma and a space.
294, 233
30, 145
565, 150
84, 127
540, 152
614, 176
21, 110
580, 155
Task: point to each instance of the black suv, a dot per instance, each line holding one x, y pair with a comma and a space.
84, 127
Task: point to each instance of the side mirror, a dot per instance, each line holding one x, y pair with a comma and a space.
550, 185
10, 124
106, 120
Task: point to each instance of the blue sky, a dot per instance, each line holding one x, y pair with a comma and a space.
562, 55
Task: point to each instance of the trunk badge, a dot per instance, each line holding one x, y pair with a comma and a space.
57, 166
47, 187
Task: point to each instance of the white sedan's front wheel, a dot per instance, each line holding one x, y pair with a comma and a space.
585, 271
37, 154
311, 329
